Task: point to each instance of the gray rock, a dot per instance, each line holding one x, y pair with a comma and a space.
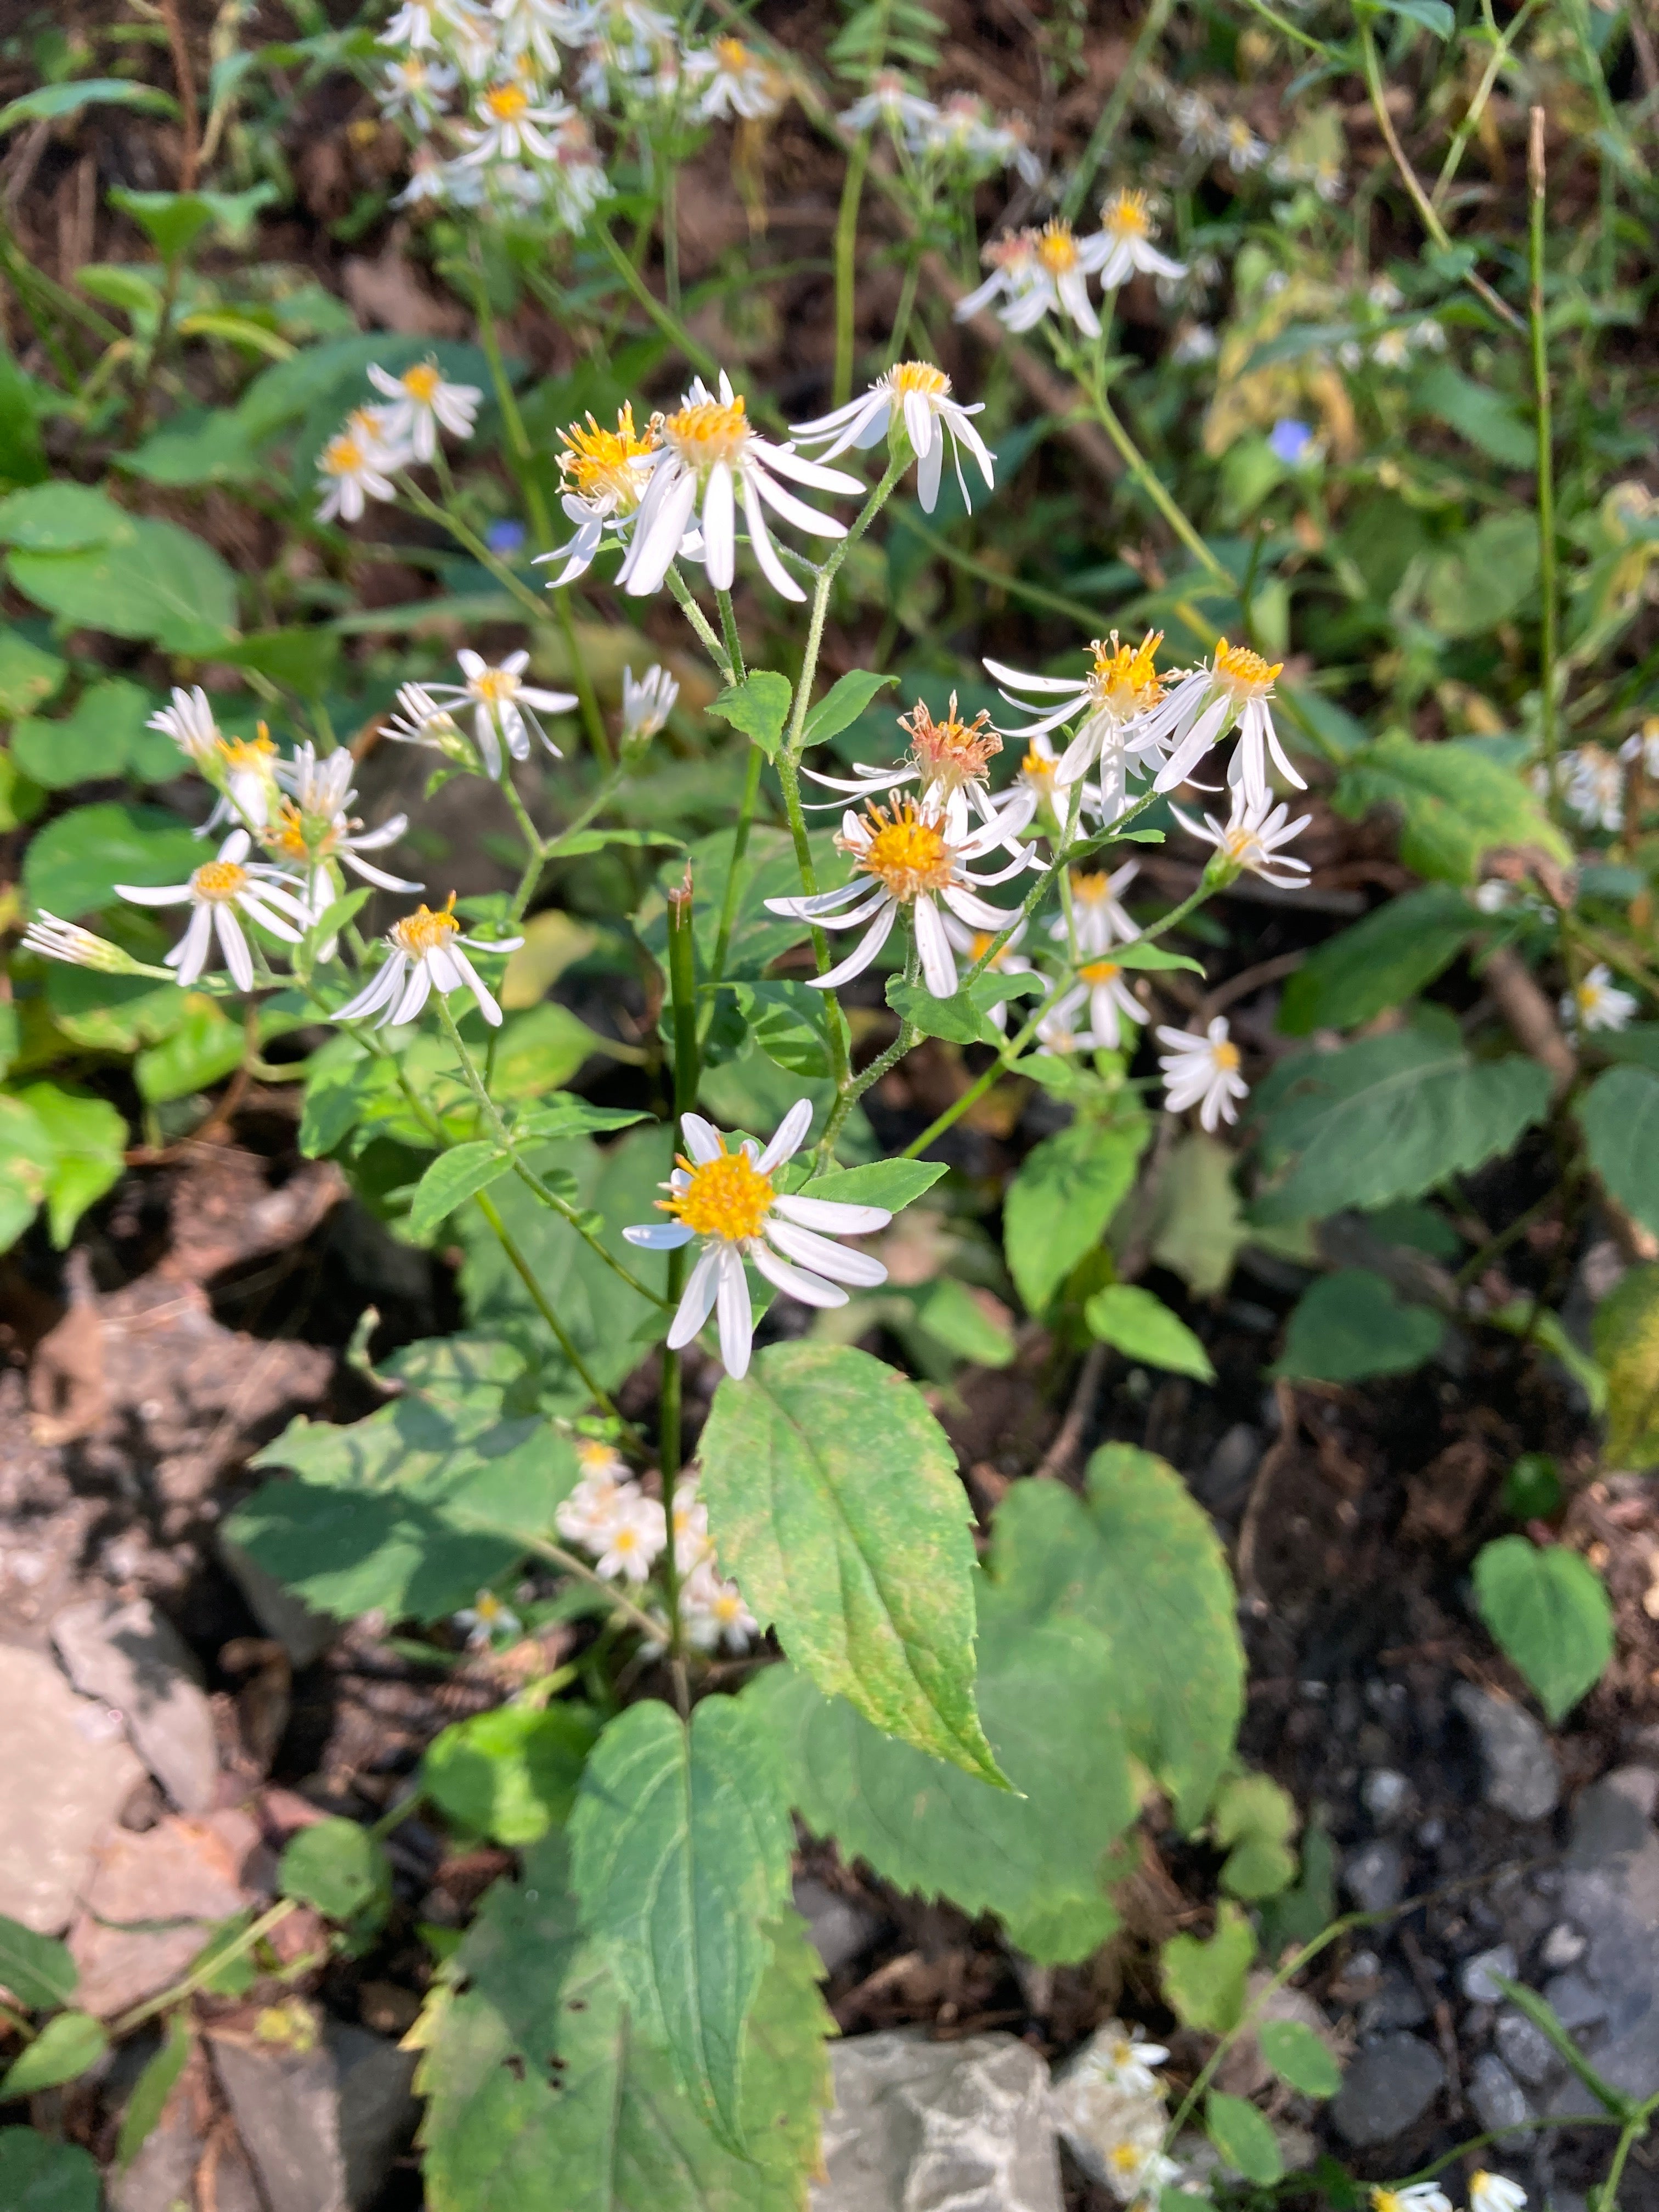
1398, 2004
1384, 1793
1388, 2084
921, 2127
1524, 2049
303, 1634
1520, 1775
68, 1771
1375, 1875
840, 1930
136, 1661
1610, 1889
321, 2126
1498, 2099
1475, 1977
1575, 2003
1563, 1947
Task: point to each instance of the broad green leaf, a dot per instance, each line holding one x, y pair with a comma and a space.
39, 2175
200, 1048
1396, 952
1487, 576
758, 707
72, 865
48, 101
1620, 1117
1478, 414
566, 1116
1238, 2131
198, 447
540, 1050
88, 1139
1625, 1335
160, 583
510, 1774
452, 1179
891, 1183
1199, 1225
544, 2095
1139, 1560
1547, 1610
1204, 1980
1297, 2056
833, 1498
842, 704
1039, 1859
28, 676
1141, 1327
68, 2043
787, 1022
680, 1849
1058, 1205
1351, 1324
301, 659
1137, 953
104, 736
1388, 1117
340, 1868
20, 798
36, 1969
1457, 805
949, 1312
173, 222
957, 1019
1252, 1819
152, 2090
22, 457
62, 516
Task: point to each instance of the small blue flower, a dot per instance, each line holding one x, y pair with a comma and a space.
1291, 441
504, 537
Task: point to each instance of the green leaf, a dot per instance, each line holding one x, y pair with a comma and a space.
339, 1868
833, 1498
28, 676
1388, 1117
1137, 953
950, 1313
152, 2090
1199, 1225
680, 1849
305, 660
758, 706
1204, 1981
452, 1179
958, 1019
1297, 2056
112, 1013
1487, 577
1141, 1327
38, 2175
22, 458
1238, 2131
1478, 414
198, 446
769, 869
1058, 1205
1139, 1560
48, 101
68, 2043
565, 1116
72, 865
1625, 1335
62, 516
88, 1139
1039, 1859
1351, 1324
842, 704
1547, 1611
1252, 1820
160, 583
539, 1051
1396, 952
1434, 15
36, 1969
199, 1050
544, 2096
103, 736
891, 1183
1457, 804
511, 1774
173, 222
1620, 1117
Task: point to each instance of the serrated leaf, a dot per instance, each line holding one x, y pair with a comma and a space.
680, 1849
1141, 1327
1140, 1561
1046, 1692
36, 1969
1625, 1334
758, 706
511, 1774
1396, 952
1297, 2056
842, 704
833, 1498
1238, 2131
452, 1178
1620, 1117
958, 1019
152, 2090
339, 1868
1457, 805
544, 2096
68, 2043
1484, 577
1058, 1205
1547, 1610
1351, 1324
39, 2175
1204, 1979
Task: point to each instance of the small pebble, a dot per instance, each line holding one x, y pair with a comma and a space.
1375, 1876
1498, 2097
1384, 1792
1525, 2049
1574, 2002
1432, 1833
1476, 1977
1563, 1947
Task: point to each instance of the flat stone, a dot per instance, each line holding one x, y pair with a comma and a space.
1476, 1977
932, 2127
1524, 2049
186, 1871
1375, 1875
68, 1772
1397, 2003
1520, 1775
1390, 2084
840, 1930
136, 1660
1499, 2100
1574, 2002
163, 2176
321, 2126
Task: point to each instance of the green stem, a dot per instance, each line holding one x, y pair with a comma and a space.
1100, 137
1548, 591
255, 1932
734, 872
534, 602
566, 1562
1502, 43
847, 239
586, 698
1153, 485
527, 1275
700, 623
518, 438
683, 988
1006, 1054
666, 321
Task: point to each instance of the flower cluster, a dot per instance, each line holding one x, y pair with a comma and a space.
957, 140
376, 440
1488, 2192
625, 1531
1390, 344
1038, 272
1110, 2101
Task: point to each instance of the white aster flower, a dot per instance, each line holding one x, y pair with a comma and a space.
630, 1539
510, 121
1597, 1003
606, 474
1125, 717
736, 82
411, 25
919, 395
1495, 2192
1234, 690
728, 1202
1593, 787
420, 403
1643, 745
961, 137
588, 1511
715, 1613
707, 458
432, 181
351, 469
1058, 283
1125, 243
312, 833
1243, 149
1202, 1071
1420, 2196
1110, 1001
646, 703
944, 757
51, 938
1098, 921
505, 708
1015, 277
415, 87
1008, 960
574, 182
1250, 841
1136, 2168
486, 1618
889, 100
1197, 343
916, 858
1009, 143
219, 891
532, 27
1125, 2057
190, 722
693, 1545
426, 952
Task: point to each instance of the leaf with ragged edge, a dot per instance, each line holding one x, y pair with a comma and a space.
36, 1969
1388, 1117
1252, 1820
452, 1178
152, 2090
1351, 1324
680, 1848
1141, 1327
1204, 1980
1548, 1611
842, 705
1620, 1117
1140, 1561
1238, 2131
68, 2043
1297, 2056
1457, 805
1625, 1334
1058, 1205
1046, 1692
787, 1021
758, 706
1396, 952
544, 2094
511, 1774
72, 866
39, 2175
1484, 577
833, 1498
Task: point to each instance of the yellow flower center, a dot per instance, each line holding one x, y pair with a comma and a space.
596, 462
1092, 888
1125, 680
1125, 2157
594, 1456
1102, 971
727, 1608
507, 102
1479, 2181
1225, 1056
1243, 672
493, 686
1386, 2200
1122, 2053
951, 752
1056, 248
246, 755
343, 456
1126, 215
731, 56
906, 852
708, 431
625, 1539
286, 836
423, 931
1036, 769
219, 880
918, 376
488, 1608
726, 1197
1241, 845
422, 382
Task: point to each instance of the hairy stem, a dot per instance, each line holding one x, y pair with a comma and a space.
1549, 643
